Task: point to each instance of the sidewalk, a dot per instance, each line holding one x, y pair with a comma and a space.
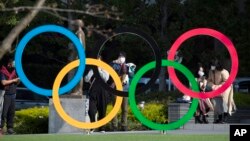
187, 129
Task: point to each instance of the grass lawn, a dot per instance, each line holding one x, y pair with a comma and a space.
115, 137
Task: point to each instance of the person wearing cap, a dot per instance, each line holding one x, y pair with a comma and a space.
122, 72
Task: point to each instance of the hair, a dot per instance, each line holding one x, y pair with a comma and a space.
200, 65
6, 60
218, 64
99, 57
79, 23
123, 54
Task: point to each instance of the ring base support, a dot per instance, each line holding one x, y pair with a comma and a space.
178, 110
76, 107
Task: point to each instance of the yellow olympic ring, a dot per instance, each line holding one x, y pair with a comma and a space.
65, 116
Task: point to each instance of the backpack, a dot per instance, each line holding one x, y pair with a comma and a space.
116, 67
131, 69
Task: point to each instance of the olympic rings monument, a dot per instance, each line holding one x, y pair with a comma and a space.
70, 115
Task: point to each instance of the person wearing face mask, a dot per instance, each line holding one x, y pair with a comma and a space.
10, 81
224, 104
121, 69
205, 105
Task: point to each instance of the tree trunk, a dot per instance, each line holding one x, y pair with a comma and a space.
162, 76
8, 41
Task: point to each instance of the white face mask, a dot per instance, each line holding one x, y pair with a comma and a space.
212, 67
201, 73
122, 59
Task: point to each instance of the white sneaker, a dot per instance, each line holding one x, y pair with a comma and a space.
102, 131
91, 131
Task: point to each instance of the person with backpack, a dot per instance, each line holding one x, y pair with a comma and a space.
119, 65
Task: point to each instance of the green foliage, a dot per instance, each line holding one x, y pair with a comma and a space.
159, 97
35, 120
156, 112
32, 121
155, 109
242, 100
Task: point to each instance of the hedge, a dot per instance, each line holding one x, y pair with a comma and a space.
32, 120
35, 120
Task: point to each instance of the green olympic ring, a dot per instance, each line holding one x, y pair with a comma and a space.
158, 126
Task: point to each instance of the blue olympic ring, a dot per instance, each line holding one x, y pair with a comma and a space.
39, 30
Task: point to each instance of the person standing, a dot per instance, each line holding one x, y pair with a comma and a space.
10, 81
98, 97
224, 103
205, 105
120, 66
2, 91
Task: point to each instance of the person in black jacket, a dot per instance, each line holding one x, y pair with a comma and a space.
10, 81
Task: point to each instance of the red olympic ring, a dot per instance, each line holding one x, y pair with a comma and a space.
222, 38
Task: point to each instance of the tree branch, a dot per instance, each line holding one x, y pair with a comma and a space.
7, 42
94, 11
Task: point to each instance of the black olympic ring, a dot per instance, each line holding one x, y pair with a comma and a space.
145, 37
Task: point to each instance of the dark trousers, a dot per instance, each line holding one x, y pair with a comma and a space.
8, 111
98, 101
124, 114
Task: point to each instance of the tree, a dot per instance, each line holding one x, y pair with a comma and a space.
8, 41
62, 13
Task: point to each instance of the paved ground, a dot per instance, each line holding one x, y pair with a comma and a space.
179, 131
187, 129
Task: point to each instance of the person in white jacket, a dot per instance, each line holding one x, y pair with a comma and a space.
98, 97
224, 104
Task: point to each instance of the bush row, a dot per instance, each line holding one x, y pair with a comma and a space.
35, 120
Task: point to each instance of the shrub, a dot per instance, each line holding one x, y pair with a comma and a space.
32, 120
242, 100
156, 112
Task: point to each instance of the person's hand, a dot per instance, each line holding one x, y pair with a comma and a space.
16, 80
215, 87
203, 88
124, 83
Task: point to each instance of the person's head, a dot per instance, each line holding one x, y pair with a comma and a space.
122, 57
99, 57
78, 24
9, 64
216, 64
201, 72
